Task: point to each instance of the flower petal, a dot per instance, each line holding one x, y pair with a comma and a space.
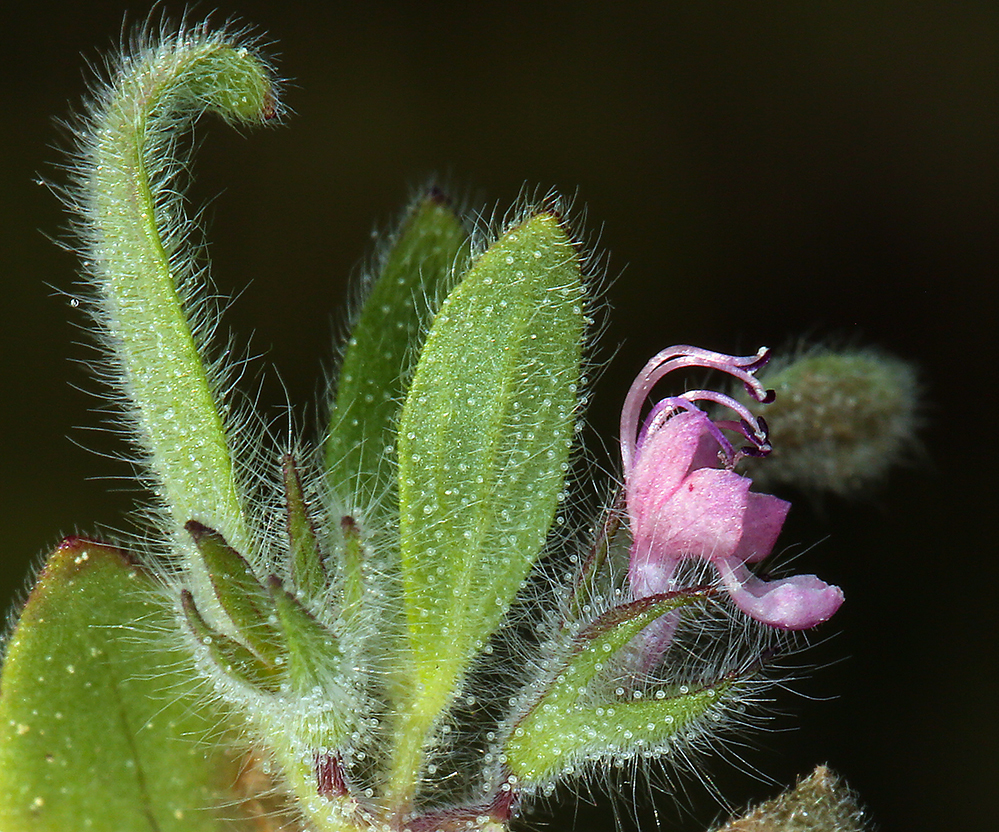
712, 515
761, 525
794, 603
649, 574
666, 456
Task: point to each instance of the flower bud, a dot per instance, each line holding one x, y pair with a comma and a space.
840, 421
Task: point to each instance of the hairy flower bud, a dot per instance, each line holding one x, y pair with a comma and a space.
842, 419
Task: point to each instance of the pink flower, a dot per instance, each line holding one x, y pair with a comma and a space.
685, 500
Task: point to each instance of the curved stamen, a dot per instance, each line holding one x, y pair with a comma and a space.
759, 445
749, 425
665, 410
674, 358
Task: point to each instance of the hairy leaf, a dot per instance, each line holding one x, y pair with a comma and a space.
100, 727
151, 294
378, 361
483, 446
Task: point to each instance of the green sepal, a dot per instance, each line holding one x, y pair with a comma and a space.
588, 733
416, 271
307, 568
313, 651
314, 672
242, 597
352, 562
231, 657
102, 724
484, 441
591, 573
571, 723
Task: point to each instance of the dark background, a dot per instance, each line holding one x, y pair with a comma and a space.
759, 171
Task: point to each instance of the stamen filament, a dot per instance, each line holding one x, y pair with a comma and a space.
677, 357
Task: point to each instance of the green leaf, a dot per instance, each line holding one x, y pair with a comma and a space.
571, 723
152, 293
101, 728
416, 271
484, 441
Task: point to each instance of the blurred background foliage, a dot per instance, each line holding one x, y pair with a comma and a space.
759, 171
